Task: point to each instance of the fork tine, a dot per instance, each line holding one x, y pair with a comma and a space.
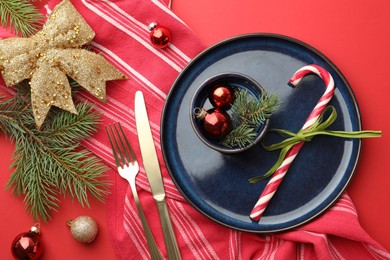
132, 155
121, 144
111, 136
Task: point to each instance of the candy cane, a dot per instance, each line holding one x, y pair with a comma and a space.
277, 177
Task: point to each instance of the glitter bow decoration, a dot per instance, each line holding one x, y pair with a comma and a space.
52, 54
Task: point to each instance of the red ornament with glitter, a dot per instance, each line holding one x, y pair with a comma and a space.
222, 96
159, 35
215, 122
27, 245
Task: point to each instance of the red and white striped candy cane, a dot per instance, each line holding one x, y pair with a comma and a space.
277, 177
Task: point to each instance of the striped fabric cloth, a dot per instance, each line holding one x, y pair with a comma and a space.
122, 38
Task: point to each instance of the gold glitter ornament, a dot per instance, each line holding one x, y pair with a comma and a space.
84, 229
52, 54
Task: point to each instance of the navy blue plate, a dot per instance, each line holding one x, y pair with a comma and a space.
215, 183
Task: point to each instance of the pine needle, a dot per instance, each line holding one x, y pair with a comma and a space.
50, 162
241, 136
248, 114
253, 112
20, 16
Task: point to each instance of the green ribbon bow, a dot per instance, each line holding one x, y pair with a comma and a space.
318, 128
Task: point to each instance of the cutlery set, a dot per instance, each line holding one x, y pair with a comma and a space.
128, 169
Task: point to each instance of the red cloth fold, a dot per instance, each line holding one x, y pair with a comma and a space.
122, 38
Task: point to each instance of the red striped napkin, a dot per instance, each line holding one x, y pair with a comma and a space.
122, 38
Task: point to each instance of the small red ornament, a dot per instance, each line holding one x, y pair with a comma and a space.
27, 245
222, 96
159, 35
215, 122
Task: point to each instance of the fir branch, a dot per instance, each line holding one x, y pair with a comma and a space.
50, 162
253, 112
240, 136
65, 129
248, 114
20, 16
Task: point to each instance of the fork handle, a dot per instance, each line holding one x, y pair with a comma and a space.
154, 251
169, 235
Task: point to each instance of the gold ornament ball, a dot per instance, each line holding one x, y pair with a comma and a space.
84, 229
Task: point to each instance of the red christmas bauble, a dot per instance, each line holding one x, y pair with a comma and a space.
27, 245
222, 96
159, 35
216, 122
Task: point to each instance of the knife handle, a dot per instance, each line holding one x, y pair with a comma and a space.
169, 234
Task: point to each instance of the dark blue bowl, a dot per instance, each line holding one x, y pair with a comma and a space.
201, 100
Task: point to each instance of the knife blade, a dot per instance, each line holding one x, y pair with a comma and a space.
153, 173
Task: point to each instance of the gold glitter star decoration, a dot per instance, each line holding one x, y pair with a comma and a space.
52, 55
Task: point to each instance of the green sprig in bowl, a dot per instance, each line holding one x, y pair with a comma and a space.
243, 87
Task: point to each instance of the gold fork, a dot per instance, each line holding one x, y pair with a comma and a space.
128, 169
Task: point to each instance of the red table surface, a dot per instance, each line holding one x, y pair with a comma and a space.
355, 35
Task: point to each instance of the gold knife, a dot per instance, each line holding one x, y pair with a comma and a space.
153, 173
